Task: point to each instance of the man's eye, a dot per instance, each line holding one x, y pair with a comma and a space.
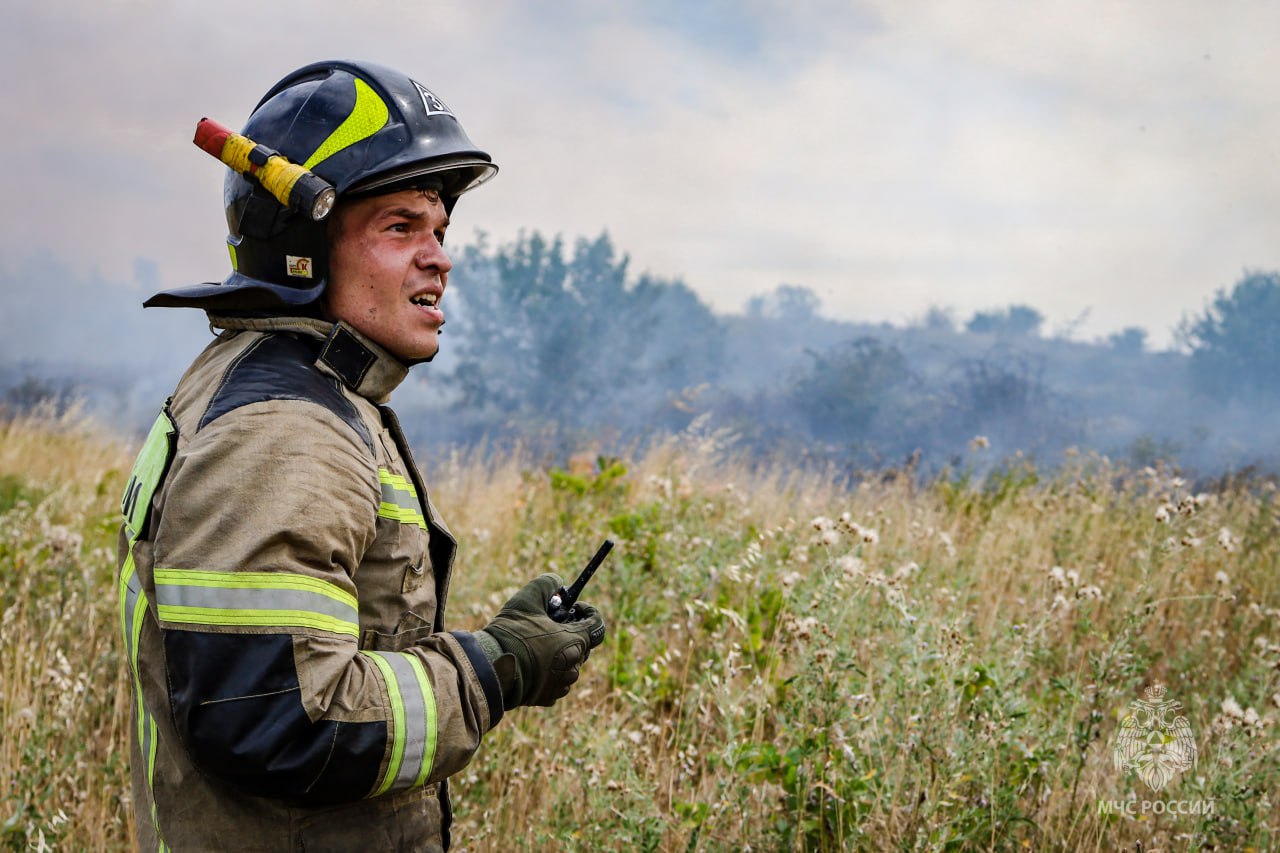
400, 227
440, 237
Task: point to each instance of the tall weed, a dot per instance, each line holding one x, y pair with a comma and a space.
793, 663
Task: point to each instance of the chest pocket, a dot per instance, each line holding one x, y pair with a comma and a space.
401, 507
395, 583
398, 579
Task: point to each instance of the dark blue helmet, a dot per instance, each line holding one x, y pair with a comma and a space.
364, 128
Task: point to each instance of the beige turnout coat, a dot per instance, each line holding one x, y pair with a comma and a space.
282, 590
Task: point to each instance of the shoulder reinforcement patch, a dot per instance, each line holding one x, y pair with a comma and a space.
282, 367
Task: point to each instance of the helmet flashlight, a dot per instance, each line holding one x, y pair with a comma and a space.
294, 186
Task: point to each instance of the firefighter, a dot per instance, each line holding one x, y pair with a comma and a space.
284, 573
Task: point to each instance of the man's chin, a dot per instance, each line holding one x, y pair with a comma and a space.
423, 352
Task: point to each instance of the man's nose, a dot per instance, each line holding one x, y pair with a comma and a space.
432, 254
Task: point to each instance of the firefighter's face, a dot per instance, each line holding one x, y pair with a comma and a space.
388, 270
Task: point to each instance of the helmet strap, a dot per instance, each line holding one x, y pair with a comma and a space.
261, 218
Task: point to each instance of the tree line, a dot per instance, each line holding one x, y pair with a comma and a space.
559, 345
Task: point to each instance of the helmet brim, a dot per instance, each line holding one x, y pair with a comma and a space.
452, 176
236, 292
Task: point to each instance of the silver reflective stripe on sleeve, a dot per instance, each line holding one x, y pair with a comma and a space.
262, 599
413, 720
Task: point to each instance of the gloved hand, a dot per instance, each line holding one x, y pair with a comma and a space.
540, 657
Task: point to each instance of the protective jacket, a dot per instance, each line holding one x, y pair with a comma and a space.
282, 592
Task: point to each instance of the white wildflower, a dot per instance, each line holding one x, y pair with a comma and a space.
851, 566
1222, 578
1162, 514
979, 442
907, 571
803, 628
1226, 541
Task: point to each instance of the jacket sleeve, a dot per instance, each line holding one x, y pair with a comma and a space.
264, 517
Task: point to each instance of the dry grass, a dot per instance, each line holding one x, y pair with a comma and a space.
792, 664
63, 706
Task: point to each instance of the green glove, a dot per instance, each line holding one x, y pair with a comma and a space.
540, 658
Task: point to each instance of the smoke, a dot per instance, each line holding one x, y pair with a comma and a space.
89, 337
563, 348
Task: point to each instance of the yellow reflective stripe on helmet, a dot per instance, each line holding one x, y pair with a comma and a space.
400, 500
413, 720
368, 116
271, 599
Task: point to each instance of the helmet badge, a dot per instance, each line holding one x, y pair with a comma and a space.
433, 105
298, 267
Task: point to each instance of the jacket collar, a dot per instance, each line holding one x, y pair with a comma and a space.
345, 354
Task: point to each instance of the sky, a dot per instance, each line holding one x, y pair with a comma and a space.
1110, 163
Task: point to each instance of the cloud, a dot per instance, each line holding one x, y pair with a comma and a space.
889, 155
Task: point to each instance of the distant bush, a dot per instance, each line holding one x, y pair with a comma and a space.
840, 394
1235, 343
1014, 321
34, 393
1131, 340
566, 338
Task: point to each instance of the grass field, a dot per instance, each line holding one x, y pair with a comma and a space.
793, 664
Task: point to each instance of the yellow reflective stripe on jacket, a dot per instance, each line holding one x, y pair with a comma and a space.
273, 599
400, 500
413, 720
133, 609
368, 116
148, 470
